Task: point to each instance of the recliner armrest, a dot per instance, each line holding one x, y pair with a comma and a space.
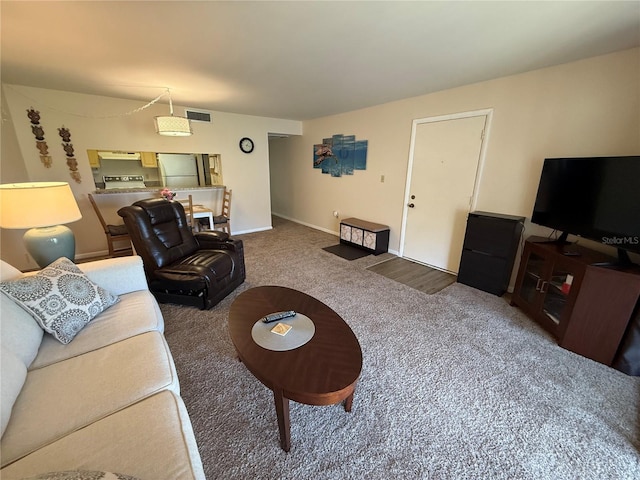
231, 244
216, 240
212, 234
207, 241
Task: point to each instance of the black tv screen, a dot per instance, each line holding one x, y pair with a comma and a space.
595, 197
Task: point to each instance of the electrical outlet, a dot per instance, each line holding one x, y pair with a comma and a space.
381, 178
336, 214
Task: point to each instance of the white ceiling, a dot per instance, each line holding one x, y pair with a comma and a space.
297, 60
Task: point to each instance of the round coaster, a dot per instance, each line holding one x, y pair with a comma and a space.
302, 330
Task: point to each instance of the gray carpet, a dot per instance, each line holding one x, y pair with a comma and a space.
454, 385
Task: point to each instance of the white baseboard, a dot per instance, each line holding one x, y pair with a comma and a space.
261, 229
326, 230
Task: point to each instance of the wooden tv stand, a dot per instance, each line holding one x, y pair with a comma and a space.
585, 306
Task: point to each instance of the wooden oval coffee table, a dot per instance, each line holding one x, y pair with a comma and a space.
323, 371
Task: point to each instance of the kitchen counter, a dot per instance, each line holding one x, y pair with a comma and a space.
155, 189
111, 200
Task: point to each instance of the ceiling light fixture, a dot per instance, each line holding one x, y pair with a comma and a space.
172, 126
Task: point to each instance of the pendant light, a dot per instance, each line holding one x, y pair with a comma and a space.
172, 126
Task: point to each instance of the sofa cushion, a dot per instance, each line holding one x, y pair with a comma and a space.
81, 475
8, 272
11, 381
69, 395
151, 439
60, 297
20, 338
135, 313
117, 275
19, 332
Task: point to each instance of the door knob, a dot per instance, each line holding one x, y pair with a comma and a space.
411, 205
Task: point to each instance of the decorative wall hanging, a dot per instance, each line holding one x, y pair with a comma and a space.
340, 155
72, 163
38, 132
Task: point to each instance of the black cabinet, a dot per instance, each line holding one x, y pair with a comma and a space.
490, 246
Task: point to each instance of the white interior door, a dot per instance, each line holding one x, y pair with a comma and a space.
445, 161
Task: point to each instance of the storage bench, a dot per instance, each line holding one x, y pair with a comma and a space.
370, 236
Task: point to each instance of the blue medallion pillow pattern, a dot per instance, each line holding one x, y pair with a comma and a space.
81, 475
60, 297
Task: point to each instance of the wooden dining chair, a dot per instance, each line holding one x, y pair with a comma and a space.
223, 220
188, 210
114, 233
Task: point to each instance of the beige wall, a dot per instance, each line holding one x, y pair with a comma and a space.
590, 107
12, 170
247, 175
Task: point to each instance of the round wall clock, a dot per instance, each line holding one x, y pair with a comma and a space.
246, 145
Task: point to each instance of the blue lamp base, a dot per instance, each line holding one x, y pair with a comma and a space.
47, 244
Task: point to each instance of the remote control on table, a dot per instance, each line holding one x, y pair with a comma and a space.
278, 316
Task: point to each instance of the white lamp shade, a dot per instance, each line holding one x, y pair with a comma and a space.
39, 204
173, 126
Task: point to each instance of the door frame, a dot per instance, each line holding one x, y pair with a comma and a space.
488, 113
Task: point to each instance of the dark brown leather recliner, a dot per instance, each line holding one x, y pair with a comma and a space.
181, 267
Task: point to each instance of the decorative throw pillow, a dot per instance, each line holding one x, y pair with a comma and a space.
81, 475
60, 297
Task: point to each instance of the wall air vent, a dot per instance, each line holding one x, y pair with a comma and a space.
197, 116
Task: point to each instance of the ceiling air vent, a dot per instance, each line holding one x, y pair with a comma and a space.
198, 116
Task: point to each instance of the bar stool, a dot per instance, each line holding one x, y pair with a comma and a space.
114, 233
188, 210
223, 220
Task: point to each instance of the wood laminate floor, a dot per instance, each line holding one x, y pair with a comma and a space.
414, 275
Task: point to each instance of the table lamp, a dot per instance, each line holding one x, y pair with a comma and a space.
41, 207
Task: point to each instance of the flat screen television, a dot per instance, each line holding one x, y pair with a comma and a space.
594, 197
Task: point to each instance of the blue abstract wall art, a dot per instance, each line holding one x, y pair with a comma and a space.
340, 155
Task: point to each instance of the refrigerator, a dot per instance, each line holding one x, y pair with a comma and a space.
178, 170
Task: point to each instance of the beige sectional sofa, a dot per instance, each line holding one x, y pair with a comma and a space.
107, 401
